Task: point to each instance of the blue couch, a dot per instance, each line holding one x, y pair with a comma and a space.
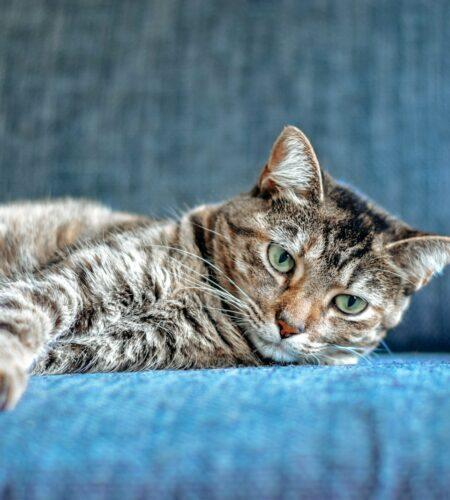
149, 105
379, 430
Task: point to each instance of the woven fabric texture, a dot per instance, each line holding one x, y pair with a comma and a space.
379, 430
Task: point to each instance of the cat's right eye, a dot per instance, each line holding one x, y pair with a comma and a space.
280, 259
350, 304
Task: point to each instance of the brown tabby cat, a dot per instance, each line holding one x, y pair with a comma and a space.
300, 269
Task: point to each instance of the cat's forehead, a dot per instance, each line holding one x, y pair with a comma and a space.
343, 230
340, 226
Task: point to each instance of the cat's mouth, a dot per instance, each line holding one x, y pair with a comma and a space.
271, 347
269, 344
276, 351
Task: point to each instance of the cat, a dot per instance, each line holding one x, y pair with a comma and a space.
298, 270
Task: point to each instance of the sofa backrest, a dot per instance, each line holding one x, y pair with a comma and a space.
153, 105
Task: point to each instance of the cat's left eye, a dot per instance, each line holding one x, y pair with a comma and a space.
350, 304
280, 259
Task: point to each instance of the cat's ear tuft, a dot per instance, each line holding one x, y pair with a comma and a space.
292, 170
420, 257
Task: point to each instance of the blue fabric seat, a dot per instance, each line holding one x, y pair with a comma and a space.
377, 430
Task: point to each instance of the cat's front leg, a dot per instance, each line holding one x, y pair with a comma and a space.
14, 361
23, 330
32, 312
75, 297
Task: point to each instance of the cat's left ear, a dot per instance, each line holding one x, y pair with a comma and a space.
292, 170
419, 258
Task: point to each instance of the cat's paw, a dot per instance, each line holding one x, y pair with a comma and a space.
13, 381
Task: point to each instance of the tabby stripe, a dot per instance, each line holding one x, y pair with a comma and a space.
11, 304
355, 253
173, 252
216, 327
7, 327
127, 296
239, 230
195, 324
168, 335
153, 285
326, 239
200, 241
199, 237
45, 302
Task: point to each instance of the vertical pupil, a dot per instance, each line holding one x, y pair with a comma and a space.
351, 301
283, 257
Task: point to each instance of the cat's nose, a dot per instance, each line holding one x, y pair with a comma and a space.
288, 330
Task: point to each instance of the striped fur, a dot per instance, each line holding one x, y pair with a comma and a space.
87, 289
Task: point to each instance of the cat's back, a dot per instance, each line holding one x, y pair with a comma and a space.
32, 233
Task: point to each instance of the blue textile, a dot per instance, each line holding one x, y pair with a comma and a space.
149, 105
379, 430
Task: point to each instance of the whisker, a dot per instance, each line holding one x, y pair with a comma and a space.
212, 231
216, 293
217, 287
254, 308
229, 312
387, 348
208, 263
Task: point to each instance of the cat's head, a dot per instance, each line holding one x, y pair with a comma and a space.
319, 273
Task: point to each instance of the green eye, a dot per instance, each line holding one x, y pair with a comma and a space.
350, 304
280, 259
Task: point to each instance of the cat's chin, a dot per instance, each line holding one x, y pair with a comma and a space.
269, 346
276, 352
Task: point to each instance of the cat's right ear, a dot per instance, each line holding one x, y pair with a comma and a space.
292, 171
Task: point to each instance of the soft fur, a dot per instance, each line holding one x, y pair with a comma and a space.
87, 289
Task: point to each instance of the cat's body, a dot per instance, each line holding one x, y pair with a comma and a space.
87, 289
117, 291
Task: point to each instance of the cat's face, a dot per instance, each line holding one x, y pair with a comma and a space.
319, 274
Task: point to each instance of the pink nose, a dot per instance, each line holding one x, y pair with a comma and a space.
287, 330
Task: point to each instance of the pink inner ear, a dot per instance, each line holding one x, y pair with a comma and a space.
278, 153
265, 183
276, 157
